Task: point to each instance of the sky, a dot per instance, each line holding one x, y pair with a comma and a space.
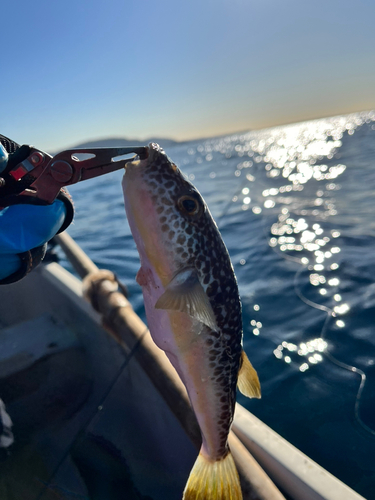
76, 70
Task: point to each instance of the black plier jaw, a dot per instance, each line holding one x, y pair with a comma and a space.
37, 174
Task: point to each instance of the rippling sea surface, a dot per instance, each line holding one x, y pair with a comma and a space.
296, 208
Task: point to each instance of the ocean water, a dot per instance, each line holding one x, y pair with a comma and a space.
296, 208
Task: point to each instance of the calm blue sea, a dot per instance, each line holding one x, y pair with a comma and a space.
296, 208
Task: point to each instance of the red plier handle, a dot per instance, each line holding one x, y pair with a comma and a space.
42, 176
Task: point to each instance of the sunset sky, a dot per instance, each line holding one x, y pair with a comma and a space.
76, 70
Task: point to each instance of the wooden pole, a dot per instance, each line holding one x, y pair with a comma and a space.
82, 264
102, 290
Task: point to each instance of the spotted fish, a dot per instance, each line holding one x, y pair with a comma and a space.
193, 309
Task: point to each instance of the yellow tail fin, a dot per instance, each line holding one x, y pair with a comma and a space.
248, 381
213, 480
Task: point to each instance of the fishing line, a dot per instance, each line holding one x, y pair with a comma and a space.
82, 431
228, 205
330, 313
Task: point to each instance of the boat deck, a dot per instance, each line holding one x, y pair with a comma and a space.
86, 418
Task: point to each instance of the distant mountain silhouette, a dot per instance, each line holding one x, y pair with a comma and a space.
115, 142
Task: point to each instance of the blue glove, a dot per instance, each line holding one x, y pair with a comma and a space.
25, 228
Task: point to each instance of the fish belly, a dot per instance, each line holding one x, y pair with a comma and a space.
183, 340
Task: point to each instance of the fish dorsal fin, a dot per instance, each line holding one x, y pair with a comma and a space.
186, 294
248, 381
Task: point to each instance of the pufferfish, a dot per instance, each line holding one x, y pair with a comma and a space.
193, 309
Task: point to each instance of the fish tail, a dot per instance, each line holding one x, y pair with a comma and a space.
213, 480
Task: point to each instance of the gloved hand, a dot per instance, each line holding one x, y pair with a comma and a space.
23, 228
26, 228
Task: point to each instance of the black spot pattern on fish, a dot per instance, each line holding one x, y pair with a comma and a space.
195, 241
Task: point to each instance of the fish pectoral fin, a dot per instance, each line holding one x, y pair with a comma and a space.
248, 381
186, 294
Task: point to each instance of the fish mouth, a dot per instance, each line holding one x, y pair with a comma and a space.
153, 151
146, 155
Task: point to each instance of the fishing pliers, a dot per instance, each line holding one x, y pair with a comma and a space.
33, 173
29, 176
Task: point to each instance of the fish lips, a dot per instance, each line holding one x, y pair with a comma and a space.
150, 153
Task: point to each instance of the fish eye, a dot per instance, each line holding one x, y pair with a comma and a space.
189, 205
